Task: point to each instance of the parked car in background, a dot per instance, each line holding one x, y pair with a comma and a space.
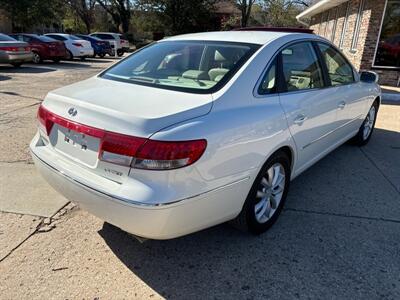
76, 47
43, 47
100, 47
203, 128
14, 52
117, 42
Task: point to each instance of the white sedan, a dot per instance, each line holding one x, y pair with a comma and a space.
200, 129
76, 47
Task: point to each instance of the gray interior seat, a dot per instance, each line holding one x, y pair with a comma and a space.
216, 74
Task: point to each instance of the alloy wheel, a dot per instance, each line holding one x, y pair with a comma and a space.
369, 122
270, 193
36, 58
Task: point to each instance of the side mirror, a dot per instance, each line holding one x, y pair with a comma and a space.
369, 77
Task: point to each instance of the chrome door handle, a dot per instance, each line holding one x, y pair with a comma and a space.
341, 104
300, 119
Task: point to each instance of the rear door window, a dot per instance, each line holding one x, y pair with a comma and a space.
339, 70
301, 68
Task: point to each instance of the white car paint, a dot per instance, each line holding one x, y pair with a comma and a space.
242, 128
78, 47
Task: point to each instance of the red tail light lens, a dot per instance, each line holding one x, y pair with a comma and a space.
141, 153
77, 44
11, 49
164, 155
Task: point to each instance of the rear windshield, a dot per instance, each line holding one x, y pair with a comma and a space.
6, 38
104, 36
44, 38
191, 66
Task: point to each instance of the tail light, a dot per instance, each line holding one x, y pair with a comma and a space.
77, 44
137, 152
10, 49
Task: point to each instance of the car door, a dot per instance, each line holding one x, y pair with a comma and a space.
348, 93
309, 107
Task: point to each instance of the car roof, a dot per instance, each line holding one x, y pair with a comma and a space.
105, 33
251, 37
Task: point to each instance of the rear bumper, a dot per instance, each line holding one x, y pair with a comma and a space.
84, 52
155, 220
15, 58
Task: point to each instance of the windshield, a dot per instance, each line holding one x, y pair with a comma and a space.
192, 66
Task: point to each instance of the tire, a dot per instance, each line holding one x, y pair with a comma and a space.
69, 55
17, 65
365, 132
251, 219
120, 52
83, 58
102, 55
56, 60
36, 58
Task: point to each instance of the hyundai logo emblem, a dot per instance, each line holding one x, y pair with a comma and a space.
72, 112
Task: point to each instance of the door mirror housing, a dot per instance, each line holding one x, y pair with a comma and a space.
369, 77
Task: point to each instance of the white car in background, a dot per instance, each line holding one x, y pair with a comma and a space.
76, 47
115, 39
200, 129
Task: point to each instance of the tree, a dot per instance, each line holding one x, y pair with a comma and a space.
282, 13
120, 12
182, 16
84, 9
245, 9
27, 13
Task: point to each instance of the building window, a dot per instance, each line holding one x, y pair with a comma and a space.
357, 26
387, 53
344, 27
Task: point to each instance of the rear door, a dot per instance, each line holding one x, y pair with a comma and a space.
347, 92
309, 108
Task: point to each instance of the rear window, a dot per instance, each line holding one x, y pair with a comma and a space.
6, 38
45, 39
191, 66
104, 36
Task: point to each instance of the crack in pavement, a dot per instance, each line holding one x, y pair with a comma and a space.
45, 225
307, 211
19, 108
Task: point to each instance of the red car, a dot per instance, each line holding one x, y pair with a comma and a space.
43, 47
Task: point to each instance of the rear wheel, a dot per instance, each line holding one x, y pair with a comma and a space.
120, 52
267, 196
69, 55
102, 55
36, 58
364, 133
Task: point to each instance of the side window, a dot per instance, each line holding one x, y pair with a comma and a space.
339, 70
269, 82
301, 69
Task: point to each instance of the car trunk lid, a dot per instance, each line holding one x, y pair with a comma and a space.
115, 107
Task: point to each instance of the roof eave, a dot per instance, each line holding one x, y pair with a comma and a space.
321, 6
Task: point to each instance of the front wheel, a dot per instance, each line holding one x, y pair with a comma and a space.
364, 133
267, 196
69, 55
120, 52
36, 58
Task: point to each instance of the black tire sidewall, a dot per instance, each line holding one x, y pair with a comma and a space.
252, 224
360, 135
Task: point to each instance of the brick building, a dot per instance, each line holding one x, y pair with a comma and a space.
367, 31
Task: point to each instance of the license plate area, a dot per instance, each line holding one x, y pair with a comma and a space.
75, 145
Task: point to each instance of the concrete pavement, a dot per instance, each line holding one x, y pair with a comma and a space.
337, 238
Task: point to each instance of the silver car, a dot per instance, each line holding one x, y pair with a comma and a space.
14, 52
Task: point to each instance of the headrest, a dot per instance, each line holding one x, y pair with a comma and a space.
195, 74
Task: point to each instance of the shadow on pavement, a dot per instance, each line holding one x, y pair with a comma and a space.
4, 78
27, 69
337, 232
